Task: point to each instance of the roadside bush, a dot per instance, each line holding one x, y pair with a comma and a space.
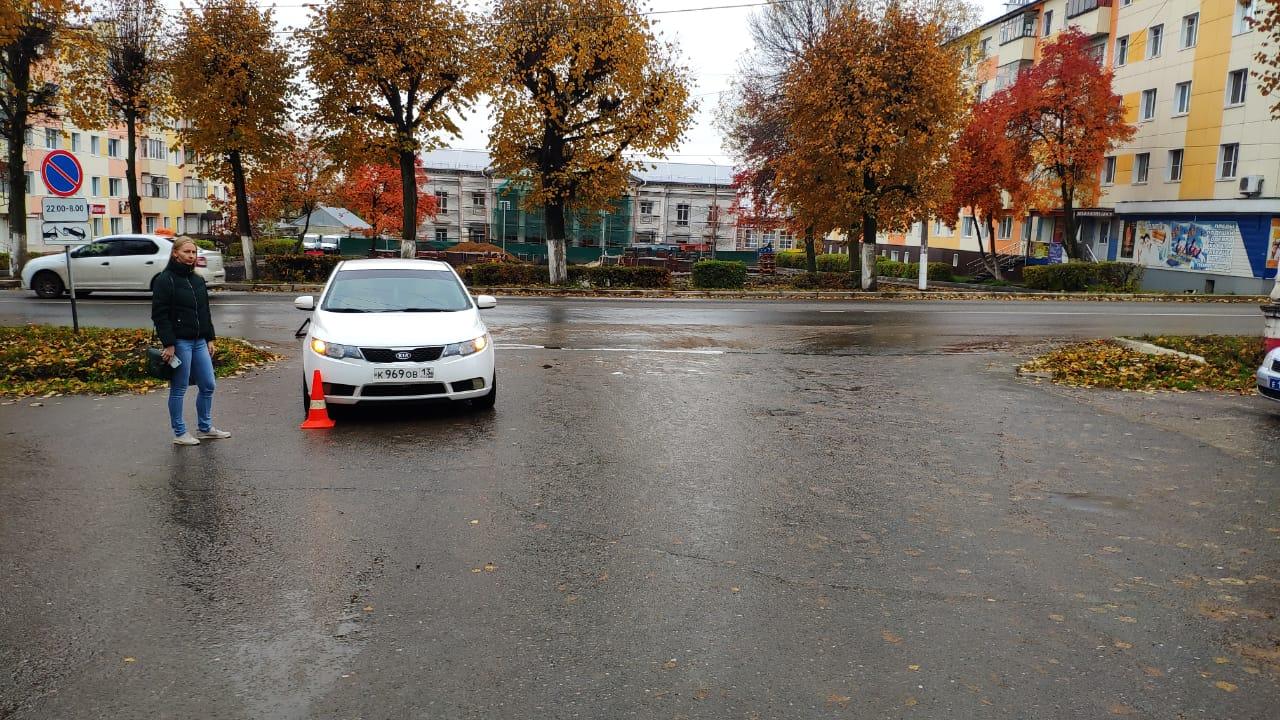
942, 272
505, 274
826, 281
262, 248
299, 268
833, 262
620, 276
723, 274
1076, 276
793, 259
206, 244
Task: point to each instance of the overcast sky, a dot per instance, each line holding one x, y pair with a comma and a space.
711, 34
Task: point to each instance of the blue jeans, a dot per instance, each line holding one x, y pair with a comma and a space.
195, 358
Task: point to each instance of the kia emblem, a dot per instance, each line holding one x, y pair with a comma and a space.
404, 355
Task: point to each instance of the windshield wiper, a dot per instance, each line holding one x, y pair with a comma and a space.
423, 309
346, 310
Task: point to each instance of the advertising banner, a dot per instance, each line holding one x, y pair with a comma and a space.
1200, 246
1273, 245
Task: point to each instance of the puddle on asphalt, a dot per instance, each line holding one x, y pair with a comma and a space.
1088, 502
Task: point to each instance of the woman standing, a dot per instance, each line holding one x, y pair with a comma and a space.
180, 312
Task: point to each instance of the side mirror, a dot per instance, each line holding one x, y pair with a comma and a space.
305, 302
484, 302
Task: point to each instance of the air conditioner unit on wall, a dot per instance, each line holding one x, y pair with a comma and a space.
1251, 185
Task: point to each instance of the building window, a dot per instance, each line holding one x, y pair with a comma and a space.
442, 234
682, 215
475, 234
75, 142
646, 207
115, 187
1155, 41
1148, 110
1182, 98
1190, 26
1048, 22
1237, 81
29, 137
1122, 50
1005, 230
477, 200
30, 178
1141, 165
786, 240
1016, 28
442, 203
1243, 22
113, 147
97, 226
115, 225
1229, 159
52, 138
95, 184
984, 47
95, 145
1007, 74
156, 186
1175, 165
967, 228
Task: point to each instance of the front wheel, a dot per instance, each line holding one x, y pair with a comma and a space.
47, 284
489, 399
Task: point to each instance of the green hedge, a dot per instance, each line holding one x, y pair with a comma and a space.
505, 274
826, 281
827, 262
620, 276
1076, 276
299, 268
724, 274
793, 259
939, 271
263, 247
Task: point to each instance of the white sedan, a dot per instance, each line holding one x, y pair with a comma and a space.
387, 330
1269, 375
114, 262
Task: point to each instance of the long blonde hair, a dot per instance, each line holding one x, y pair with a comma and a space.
179, 242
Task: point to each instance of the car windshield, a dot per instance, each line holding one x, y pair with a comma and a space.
396, 290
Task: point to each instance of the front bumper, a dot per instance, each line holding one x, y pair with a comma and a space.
349, 381
1269, 381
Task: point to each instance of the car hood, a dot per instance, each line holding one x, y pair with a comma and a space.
44, 262
397, 329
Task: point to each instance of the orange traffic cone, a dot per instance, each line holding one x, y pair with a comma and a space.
318, 414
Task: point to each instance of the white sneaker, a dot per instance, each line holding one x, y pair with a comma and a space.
213, 433
185, 439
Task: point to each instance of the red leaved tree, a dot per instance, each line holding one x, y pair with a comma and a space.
1068, 118
373, 193
985, 163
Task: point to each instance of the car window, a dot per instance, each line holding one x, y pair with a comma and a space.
101, 248
135, 246
396, 290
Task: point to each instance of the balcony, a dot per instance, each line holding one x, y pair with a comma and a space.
1091, 17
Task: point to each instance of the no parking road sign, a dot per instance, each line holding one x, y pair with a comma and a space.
62, 173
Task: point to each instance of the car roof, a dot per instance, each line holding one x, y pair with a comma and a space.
117, 236
394, 263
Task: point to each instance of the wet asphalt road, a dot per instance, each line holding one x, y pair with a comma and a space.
782, 513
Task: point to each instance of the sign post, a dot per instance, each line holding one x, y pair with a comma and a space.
65, 221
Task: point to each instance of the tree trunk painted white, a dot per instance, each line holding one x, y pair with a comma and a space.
250, 262
556, 261
924, 254
868, 265
1275, 290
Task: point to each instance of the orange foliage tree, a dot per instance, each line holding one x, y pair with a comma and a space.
869, 128
1267, 22
986, 164
1066, 116
374, 192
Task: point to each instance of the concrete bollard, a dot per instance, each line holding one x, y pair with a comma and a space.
1271, 326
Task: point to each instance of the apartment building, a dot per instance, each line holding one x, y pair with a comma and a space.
173, 195
666, 203
1195, 195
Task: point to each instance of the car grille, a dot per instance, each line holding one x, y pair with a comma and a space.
402, 389
387, 355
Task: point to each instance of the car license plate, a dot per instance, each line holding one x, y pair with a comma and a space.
402, 373
1275, 384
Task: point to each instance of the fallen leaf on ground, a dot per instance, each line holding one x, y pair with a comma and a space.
839, 700
890, 637
1119, 709
1224, 685
1152, 672
368, 608
1221, 660
1127, 619
490, 567
130, 659
913, 668
912, 702
1057, 618
670, 664
1123, 645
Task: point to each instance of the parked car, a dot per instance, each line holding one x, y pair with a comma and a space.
114, 262
323, 243
1269, 375
391, 329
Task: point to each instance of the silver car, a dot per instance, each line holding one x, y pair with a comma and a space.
1269, 375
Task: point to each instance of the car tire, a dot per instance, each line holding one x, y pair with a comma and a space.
489, 399
47, 285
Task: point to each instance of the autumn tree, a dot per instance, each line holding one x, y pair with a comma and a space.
1267, 22
299, 182
121, 76
232, 82
869, 129
390, 75
1066, 116
581, 87
30, 33
374, 193
986, 165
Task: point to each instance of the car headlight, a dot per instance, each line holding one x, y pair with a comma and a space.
334, 350
470, 347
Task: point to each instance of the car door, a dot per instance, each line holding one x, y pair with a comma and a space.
91, 265
134, 261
